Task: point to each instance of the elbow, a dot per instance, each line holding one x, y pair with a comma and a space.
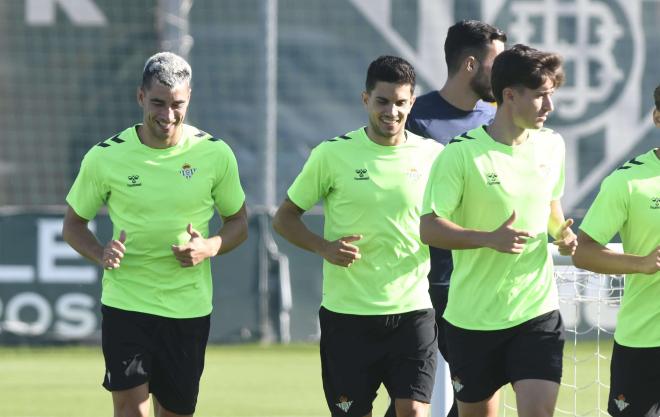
578, 259
424, 230
278, 226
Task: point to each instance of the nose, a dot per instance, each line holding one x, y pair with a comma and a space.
548, 105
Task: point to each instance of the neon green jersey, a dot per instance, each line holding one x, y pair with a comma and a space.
153, 194
374, 191
477, 183
629, 203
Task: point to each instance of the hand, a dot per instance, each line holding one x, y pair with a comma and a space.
651, 263
567, 240
506, 239
113, 252
341, 252
195, 251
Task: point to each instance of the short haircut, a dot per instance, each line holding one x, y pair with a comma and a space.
656, 97
523, 66
469, 38
390, 69
168, 69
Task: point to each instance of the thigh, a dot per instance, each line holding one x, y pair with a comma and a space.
476, 362
126, 343
412, 356
351, 362
536, 349
634, 382
178, 362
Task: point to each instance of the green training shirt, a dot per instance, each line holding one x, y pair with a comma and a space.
374, 191
153, 194
629, 203
477, 183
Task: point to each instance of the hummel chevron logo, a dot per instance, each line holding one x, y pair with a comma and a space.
362, 174
492, 178
134, 181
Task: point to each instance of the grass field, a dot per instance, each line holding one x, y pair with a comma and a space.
238, 381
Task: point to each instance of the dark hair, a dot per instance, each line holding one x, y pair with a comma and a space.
469, 37
527, 67
656, 97
390, 69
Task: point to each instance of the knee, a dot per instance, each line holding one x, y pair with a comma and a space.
408, 408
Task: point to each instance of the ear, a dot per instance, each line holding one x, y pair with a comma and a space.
365, 97
508, 94
471, 64
140, 96
656, 117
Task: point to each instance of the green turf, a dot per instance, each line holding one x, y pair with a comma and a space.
238, 381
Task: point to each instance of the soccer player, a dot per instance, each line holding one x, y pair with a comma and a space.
161, 181
463, 103
493, 198
377, 321
629, 204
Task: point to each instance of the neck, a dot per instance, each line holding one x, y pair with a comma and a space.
398, 139
657, 152
503, 130
459, 94
149, 140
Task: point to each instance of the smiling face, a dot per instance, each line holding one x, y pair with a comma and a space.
164, 112
388, 106
531, 107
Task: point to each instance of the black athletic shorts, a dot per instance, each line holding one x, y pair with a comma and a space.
358, 353
634, 382
166, 353
439, 296
482, 361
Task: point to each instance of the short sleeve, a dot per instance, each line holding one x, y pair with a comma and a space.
227, 192
314, 181
608, 212
89, 192
444, 190
558, 189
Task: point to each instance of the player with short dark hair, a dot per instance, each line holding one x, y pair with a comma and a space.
629, 204
377, 322
161, 181
493, 199
463, 103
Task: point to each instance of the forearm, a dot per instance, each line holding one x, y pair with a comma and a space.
442, 233
598, 258
83, 241
291, 227
232, 234
556, 219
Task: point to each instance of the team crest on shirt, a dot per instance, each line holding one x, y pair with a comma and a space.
456, 383
344, 404
492, 178
413, 174
187, 171
655, 203
361, 174
620, 402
